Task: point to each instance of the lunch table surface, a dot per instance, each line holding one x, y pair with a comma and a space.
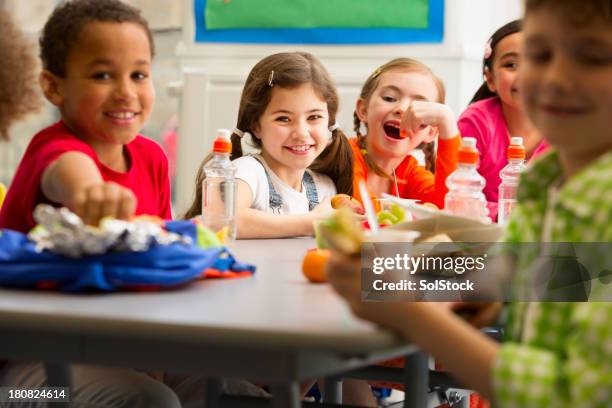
274, 326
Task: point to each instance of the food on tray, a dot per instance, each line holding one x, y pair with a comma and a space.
391, 216
342, 232
346, 201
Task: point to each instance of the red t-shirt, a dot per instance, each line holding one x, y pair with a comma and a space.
147, 176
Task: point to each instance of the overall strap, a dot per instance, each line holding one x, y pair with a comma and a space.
311, 190
275, 200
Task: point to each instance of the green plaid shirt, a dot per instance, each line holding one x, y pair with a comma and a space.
559, 354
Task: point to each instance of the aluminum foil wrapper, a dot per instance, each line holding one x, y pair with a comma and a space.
61, 231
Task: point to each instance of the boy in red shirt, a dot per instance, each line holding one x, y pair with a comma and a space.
97, 61
93, 161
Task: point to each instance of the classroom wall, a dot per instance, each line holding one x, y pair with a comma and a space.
165, 20
213, 74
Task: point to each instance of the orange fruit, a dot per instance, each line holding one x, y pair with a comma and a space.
314, 263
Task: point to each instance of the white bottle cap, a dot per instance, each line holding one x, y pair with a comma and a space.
468, 142
516, 141
224, 133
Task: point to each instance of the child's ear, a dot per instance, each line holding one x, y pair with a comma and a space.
51, 87
488, 76
361, 109
432, 134
255, 131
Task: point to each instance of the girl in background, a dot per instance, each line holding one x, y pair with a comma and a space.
402, 107
496, 111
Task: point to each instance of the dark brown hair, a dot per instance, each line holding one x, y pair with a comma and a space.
19, 92
67, 21
577, 12
370, 85
487, 61
291, 70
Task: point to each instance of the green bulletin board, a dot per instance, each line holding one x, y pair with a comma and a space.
241, 14
319, 21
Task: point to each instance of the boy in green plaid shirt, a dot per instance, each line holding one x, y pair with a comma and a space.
556, 354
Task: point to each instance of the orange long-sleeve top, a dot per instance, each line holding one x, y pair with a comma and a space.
413, 180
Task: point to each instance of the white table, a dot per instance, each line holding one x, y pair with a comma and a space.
274, 327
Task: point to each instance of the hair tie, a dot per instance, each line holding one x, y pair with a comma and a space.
240, 133
271, 79
487, 49
335, 126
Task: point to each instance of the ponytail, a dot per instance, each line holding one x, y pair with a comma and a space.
236, 146
482, 93
361, 142
429, 149
336, 162
196, 206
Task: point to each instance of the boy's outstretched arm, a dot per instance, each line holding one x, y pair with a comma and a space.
465, 352
512, 374
75, 181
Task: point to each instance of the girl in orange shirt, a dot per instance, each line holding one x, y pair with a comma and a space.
402, 107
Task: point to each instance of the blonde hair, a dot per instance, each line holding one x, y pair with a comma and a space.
371, 84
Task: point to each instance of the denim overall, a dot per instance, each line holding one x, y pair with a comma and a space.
276, 201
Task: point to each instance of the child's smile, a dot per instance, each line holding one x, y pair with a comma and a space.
561, 110
122, 117
293, 131
566, 82
300, 150
503, 78
107, 94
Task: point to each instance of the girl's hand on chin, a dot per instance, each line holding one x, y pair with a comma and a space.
421, 114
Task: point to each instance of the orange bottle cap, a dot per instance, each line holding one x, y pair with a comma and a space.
468, 154
222, 143
516, 150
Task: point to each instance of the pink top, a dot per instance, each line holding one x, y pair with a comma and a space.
485, 121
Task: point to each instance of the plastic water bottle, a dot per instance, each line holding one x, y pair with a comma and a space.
465, 197
510, 179
219, 189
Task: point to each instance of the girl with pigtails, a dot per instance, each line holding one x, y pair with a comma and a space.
288, 111
402, 107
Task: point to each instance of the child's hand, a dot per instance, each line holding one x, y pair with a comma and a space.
344, 273
103, 199
478, 314
421, 114
323, 210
